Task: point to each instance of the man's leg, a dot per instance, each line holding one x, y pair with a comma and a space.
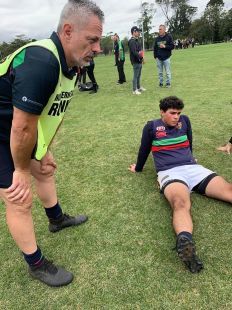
167, 66
43, 172
219, 188
160, 71
135, 76
139, 76
21, 227
20, 223
178, 196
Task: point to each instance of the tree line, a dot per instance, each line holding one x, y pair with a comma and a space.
215, 25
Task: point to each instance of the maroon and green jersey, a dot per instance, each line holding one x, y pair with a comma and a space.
170, 146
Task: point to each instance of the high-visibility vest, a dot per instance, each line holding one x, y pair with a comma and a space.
53, 113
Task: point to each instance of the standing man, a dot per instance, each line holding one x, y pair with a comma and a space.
163, 47
170, 141
136, 58
36, 86
119, 58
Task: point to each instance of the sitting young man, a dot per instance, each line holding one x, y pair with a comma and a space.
170, 141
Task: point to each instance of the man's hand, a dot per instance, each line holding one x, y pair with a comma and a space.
225, 148
132, 168
47, 164
20, 188
162, 45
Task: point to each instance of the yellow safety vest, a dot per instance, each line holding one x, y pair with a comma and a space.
53, 113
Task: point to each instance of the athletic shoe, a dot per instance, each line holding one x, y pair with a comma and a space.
136, 92
51, 274
66, 221
187, 253
160, 85
142, 89
168, 85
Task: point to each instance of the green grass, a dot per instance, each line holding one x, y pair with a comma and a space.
123, 258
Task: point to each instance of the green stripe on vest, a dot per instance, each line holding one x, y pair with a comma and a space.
19, 59
53, 113
171, 141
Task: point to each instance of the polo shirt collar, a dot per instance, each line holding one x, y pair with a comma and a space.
69, 73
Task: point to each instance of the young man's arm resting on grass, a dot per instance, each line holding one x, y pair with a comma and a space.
144, 150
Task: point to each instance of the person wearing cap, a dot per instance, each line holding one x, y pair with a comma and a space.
136, 58
119, 58
163, 47
227, 148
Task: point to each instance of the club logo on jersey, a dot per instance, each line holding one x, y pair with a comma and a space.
179, 125
160, 134
160, 128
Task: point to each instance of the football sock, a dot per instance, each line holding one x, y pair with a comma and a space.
34, 259
185, 234
54, 212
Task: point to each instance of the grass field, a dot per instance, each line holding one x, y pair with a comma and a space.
123, 256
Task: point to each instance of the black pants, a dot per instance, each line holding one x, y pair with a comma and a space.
90, 73
121, 74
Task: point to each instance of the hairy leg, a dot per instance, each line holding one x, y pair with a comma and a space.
20, 223
45, 180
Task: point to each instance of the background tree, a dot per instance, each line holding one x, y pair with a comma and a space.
8, 48
226, 25
213, 14
179, 15
146, 19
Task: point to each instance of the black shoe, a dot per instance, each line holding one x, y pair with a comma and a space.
168, 85
95, 89
51, 274
66, 221
160, 85
187, 253
120, 82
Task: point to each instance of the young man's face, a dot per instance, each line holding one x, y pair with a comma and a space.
171, 116
136, 34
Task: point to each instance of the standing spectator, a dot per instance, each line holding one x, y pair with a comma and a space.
163, 46
136, 58
119, 58
36, 86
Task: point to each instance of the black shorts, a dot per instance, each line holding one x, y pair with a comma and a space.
6, 165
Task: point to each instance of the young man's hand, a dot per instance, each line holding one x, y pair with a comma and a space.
225, 148
132, 167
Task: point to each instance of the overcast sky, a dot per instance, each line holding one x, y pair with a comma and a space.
38, 18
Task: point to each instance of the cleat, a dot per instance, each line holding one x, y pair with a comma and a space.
66, 221
187, 253
51, 274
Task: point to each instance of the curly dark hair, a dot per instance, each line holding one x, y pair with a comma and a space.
171, 102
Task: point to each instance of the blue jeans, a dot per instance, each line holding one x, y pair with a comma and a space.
137, 68
166, 64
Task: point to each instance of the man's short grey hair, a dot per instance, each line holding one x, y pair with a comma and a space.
77, 11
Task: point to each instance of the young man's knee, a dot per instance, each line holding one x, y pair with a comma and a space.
179, 203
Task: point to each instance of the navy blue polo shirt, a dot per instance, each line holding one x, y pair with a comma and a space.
34, 74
